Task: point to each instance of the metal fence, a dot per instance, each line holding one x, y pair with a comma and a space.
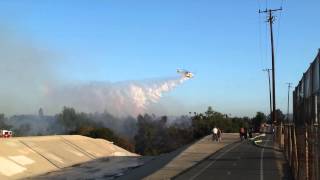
300, 138
306, 96
302, 149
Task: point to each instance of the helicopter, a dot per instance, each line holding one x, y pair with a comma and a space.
185, 73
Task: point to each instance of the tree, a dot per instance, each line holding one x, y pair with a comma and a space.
203, 124
258, 120
22, 130
209, 112
279, 115
3, 124
68, 118
144, 135
129, 128
83, 124
154, 136
200, 125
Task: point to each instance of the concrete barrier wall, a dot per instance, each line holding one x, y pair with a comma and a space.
29, 156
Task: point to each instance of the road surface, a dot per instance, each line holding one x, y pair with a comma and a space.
242, 160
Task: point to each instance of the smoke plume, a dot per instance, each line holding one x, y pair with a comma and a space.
123, 98
28, 82
24, 68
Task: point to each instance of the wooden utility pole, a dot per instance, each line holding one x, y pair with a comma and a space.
271, 20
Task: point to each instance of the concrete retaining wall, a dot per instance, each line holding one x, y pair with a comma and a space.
29, 156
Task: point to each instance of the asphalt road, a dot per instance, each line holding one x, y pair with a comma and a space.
242, 160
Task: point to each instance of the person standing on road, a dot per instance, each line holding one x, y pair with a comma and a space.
250, 132
215, 133
273, 132
241, 132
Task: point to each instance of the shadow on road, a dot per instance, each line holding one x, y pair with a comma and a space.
154, 165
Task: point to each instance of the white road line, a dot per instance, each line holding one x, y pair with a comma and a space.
206, 167
261, 164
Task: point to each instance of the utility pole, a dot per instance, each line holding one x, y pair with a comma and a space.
270, 94
289, 86
271, 19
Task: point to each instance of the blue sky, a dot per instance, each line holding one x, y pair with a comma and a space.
223, 42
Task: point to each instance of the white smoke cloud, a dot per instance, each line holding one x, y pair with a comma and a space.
123, 98
28, 81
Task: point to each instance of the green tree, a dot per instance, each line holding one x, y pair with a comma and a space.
258, 120
68, 119
200, 126
83, 124
279, 115
203, 124
145, 134
154, 136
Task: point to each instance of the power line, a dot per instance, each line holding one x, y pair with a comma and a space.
266, 41
278, 29
260, 37
266, 4
263, 36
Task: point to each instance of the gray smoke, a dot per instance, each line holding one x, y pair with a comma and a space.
24, 69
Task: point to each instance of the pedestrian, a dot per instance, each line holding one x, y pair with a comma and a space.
241, 132
273, 133
215, 134
245, 133
250, 132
